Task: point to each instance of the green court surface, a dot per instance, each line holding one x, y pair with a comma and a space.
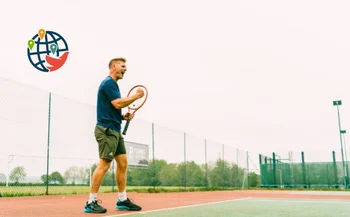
256, 207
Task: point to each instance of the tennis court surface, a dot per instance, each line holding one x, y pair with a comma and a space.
261, 203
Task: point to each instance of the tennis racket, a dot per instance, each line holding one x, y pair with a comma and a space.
137, 104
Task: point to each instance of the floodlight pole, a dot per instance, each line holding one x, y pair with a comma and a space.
343, 132
338, 103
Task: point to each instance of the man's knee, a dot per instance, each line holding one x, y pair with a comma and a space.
104, 165
122, 162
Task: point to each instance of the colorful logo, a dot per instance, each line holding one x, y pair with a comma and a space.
47, 51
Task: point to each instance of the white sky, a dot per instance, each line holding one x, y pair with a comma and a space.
256, 75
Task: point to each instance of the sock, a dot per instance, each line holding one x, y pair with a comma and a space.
93, 196
122, 196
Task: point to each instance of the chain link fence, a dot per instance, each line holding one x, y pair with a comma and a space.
48, 147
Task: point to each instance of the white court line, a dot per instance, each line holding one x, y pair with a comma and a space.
297, 200
179, 207
331, 193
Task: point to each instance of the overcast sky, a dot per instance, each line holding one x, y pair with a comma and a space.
257, 75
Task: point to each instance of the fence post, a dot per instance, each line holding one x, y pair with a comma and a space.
274, 169
247, 170
185, 178
237, 174
206, 164
154, 163
303, 167
223, 166
335, 169
48, 147
328, 182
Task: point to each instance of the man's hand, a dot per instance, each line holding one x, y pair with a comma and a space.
128, 116
139, 93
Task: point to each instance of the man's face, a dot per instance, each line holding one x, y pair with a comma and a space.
119, 69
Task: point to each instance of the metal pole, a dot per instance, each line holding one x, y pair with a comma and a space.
346, 155
8, 170
206, 163
223, 165
237, 175
185, 158
154, 163
346, 160
9, 160
335, 169
247, 170
48, 146
341, 144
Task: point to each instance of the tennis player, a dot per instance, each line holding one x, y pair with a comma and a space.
109, 137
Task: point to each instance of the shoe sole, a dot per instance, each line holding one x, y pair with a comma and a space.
87, 210
127, 208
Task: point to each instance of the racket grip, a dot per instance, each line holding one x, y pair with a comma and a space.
126, 127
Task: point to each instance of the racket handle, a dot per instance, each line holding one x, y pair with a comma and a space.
126, 127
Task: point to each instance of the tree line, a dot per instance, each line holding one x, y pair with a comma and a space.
158, 173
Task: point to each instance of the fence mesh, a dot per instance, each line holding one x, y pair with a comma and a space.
326, 171
48, 147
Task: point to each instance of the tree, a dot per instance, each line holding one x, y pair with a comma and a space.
146, 177
57, 178
2, 177
191, 174
236, 176
84, 175
220, 174
254, 179
44, 179
169, 175
17, 174
71, 174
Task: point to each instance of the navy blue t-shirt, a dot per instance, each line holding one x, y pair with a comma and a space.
107, 115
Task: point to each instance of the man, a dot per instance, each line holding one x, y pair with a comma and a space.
110, 140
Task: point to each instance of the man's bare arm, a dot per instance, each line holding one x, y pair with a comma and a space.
124, 102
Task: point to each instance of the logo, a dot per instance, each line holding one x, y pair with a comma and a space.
47, 51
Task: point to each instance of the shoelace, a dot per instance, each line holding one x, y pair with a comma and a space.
97, 202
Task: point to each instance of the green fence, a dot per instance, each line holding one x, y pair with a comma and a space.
48, 147
280, 173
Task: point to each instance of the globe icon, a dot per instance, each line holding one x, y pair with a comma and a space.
47, 51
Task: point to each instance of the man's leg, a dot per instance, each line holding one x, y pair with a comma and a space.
123, 202
98, 175
107, 148
121, 172
92, 205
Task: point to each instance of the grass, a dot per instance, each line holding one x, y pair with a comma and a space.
18, 191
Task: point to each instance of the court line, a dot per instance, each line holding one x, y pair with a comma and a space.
178, 207
297, 200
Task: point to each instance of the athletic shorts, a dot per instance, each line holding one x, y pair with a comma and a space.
110, 142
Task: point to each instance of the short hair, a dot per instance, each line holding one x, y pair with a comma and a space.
116, 59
